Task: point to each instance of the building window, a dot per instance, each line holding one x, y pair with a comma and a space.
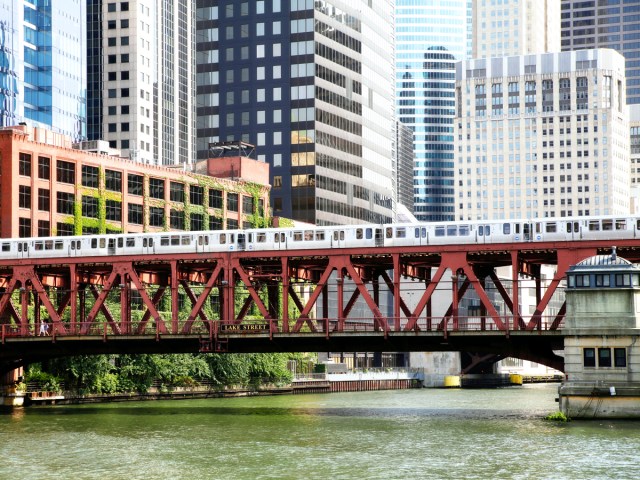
90, 176
619, 357
89, 207
176, 192
44, 168
114, 210
247, 205
215, 198
44, 200
215, 223
176, 219
156, 188
24, 227
24, 196
64, 229
196, 195
44, 228
604, 357
65, 172
232, 224
156, 216
65, 202
113, 180
134, 213
25, 164
232, 202
134, 184
589, 357
197, 223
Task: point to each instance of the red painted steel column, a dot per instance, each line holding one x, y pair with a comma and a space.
125, 321
73, 288
24, 302
396, 291
340, 294
175, 306
285, 293
454, 303
515, 288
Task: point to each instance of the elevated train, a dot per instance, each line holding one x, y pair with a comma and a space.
344, 236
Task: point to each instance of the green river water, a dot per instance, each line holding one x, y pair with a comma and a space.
410, 434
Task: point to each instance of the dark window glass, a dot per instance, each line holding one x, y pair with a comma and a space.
89, 207
44, 200
176, 219
589, 357
156, 216
65, 203
44, 168
215, 198
25, 164
24, 227
90, 176
197, 222
604, 357
156, 188
24, 196
232, 202
176, 192
65, 172
232, 224
114, 210
134, 184
113, 180
247, 205
196, 195
64, 229
215, 223
44, 228
135, 213
620, 357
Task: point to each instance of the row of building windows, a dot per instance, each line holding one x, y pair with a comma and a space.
604, 359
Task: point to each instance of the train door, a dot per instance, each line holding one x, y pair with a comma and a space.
23, 250
111, 246
574, 232
202, 243
379, 237
527, 232
148, 246
242, 241
280, 240
483, 233
337, 238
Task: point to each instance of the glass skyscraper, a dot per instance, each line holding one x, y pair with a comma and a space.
310, 83
43, 65
430, 38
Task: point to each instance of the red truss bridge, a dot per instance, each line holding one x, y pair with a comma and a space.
288, 299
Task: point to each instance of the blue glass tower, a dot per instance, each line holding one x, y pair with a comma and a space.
42, 65
430, 38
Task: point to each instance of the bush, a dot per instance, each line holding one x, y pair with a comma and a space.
557, 417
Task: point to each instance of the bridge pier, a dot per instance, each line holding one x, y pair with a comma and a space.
10, 393
602, 340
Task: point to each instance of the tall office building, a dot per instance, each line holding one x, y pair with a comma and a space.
43, 65
611, 24
515, 27
430, 38
404, 158
310, 84
141, 85
542, 135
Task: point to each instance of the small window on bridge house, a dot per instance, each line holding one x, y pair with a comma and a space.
602, 280
604, 357
619, 357
589, 357
582, 280
623, 280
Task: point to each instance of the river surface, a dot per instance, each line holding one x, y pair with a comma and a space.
407, 434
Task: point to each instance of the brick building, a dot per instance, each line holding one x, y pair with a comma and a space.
48, 188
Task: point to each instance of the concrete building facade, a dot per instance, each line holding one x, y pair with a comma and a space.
48, 188
43, 65
542, 135
310, 84
515, 27
141, 78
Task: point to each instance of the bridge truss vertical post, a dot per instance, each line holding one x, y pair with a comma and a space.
175, 305
285, 293
340, 295
73, 297
24, 304
396, 291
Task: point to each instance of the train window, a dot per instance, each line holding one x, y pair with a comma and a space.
175, 240
594, 225
59, 245
73, 245
297, 236
341, 234
423, 232
452, 230
506, 228
416, 232
481, 230
144, 242
185, 240
551, 227
439, 231
200, 239
401, 232
131, 242
77, 244
621, 224
607, 225
319, 235
261, 237
637, 224
277, 237
487, 230
282, 237
151, 242
48, 245
6, 247
164, 241
94, 243
120, 242
223, 238
359, 234
232, 238
103, 243
389, 232
308, 235
38, 246
19, 247
368, 233
464, 230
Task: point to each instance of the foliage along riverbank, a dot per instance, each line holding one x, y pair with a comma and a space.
124, 374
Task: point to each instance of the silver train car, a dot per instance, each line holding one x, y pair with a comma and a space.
345, 236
